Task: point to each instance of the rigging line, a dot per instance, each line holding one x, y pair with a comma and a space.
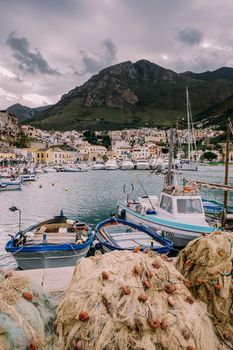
145, 192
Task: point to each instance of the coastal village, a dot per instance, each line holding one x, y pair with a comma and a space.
25, 143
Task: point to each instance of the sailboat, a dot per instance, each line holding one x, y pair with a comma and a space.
176, 214
189, 164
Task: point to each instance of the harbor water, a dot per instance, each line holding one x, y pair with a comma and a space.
91, 196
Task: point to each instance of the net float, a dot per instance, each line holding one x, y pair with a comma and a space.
136, 249
153, 323
27, 295
147, 284
164, 325
171, 301
83, 316
126, 290
156, 264
137, 270
143, 298
105, 275
170, 288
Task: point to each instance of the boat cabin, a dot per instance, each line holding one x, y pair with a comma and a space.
185, 206
173, 205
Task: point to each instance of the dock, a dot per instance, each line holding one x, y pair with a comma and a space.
51, 280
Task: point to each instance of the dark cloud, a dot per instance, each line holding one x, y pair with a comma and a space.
190, 36
29, 62
94, 63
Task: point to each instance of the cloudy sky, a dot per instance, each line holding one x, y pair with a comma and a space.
48, 47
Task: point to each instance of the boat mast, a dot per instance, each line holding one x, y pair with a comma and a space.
169, 175
188, 117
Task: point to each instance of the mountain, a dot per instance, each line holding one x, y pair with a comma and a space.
221, 73
137, 94
24, 113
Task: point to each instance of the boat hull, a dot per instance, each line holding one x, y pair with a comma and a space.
10, 187
48, 259
127, 167
179, 234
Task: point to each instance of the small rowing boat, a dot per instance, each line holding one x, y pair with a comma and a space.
56, 242
117, 234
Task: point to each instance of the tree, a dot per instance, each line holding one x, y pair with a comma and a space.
106, 141
210, 156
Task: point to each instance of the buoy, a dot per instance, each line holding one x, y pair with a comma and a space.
66, 189
52, 184
40, 186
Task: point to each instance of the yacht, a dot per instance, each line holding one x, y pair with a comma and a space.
142, 164
111, 164
127, 164
98, 166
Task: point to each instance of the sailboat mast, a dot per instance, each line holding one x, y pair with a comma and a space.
169, 175
188, 117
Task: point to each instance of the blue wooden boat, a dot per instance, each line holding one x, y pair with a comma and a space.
118, 234
56, 242
214, 207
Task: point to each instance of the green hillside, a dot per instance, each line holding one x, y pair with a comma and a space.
137, 94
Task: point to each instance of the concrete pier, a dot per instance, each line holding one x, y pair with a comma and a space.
51, 280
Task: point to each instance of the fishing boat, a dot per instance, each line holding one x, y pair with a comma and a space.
57, 242
28, 177
9, 185
117, 234
177, 213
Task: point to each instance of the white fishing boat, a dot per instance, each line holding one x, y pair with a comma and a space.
111, 164
142, 164
127, 164
190, 163
28, 177
9, 185
177, 213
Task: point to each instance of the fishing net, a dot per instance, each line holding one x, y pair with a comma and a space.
207, 264
26, 314
124, 300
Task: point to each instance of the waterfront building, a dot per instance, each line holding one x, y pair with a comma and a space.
55, 155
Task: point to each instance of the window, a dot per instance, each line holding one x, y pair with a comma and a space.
166, 204
189, 206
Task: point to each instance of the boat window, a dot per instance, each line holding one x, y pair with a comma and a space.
188, 206
166, 204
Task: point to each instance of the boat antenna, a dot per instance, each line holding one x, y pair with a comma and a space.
168, 181
140, 183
